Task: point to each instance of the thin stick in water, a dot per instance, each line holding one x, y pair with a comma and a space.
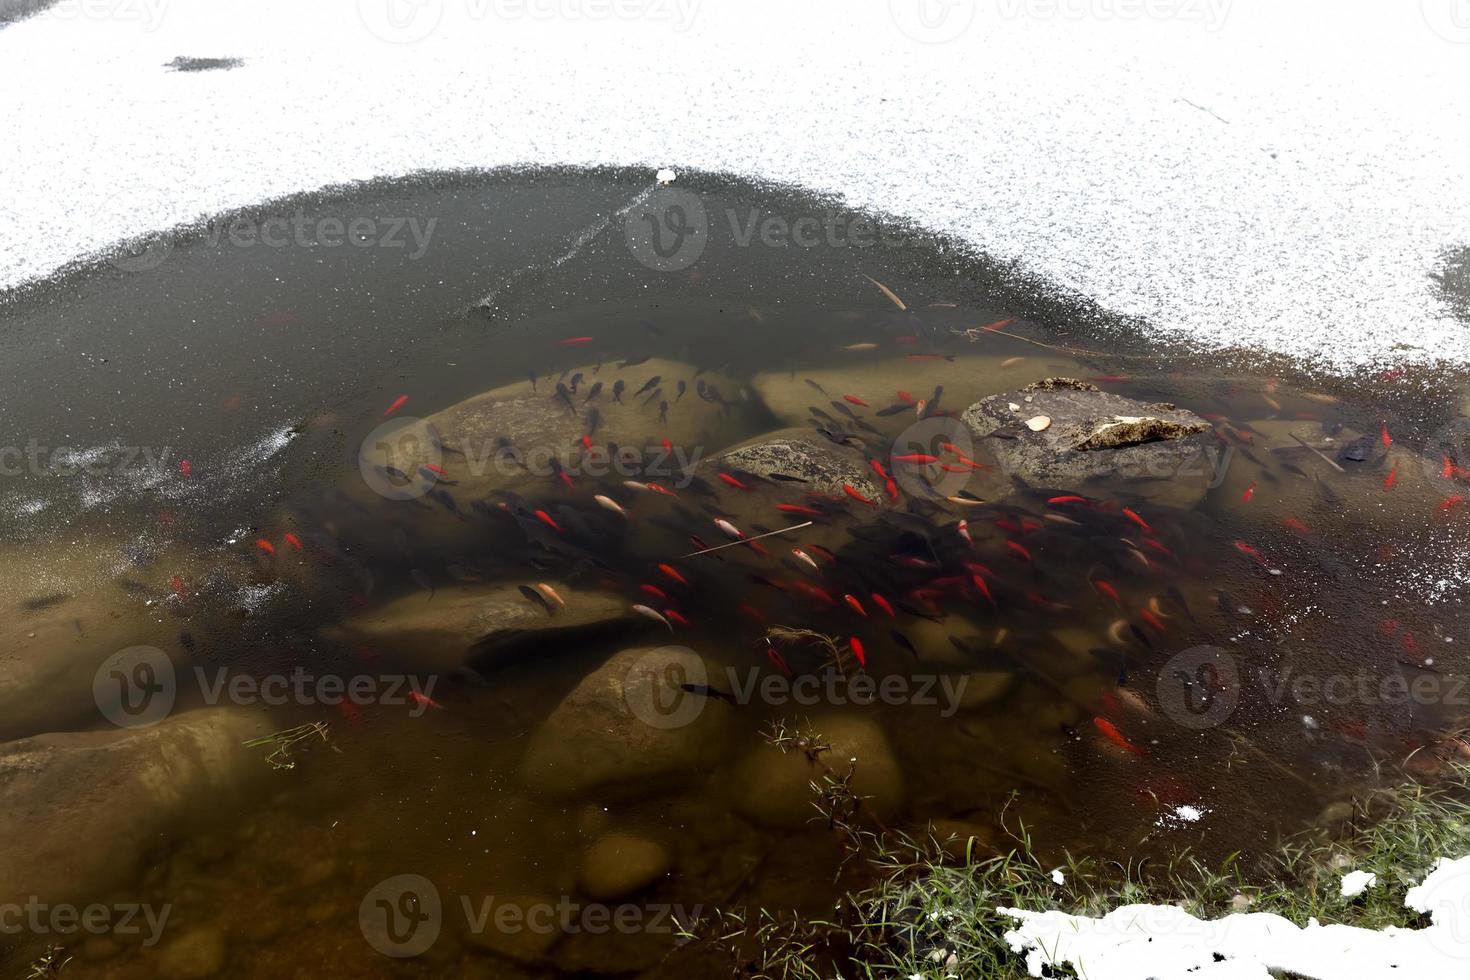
732, 544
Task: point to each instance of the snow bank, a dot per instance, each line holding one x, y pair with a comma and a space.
1163, 942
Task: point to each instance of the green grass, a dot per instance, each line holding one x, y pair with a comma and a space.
931, 915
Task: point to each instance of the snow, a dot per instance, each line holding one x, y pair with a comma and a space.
1354, 883
1165, 942
1280, 174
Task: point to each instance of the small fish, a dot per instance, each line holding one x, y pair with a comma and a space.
861, 347
1392, 478
983, 588
608, 503
649, 385
1067, 499
293, 541
855, 400
424, 700
1111, 733
186, 468
265, 546
1011, 362
551, 594
963, 527
593, 392
729, 530
856, 646
798, 509
1019, 550
537, 598
1137, 520
892, 296
1107, 589
681, 388
805, 558
398, 403
673, 573
1450, 503
1250, 492
920, 458
855, 605
904, 642
617, 390
848, 489
573, 341
545, 518
704, 690
564, 395
652, 614
663, 412
176, 585
816, 386
732, 481
920, 407
1385, 437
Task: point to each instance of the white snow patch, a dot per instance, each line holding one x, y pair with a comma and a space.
1181, 815
1284, 175
1354, 883
1057, 877
1165, 942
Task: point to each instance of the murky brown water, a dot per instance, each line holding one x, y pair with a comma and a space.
1228, 638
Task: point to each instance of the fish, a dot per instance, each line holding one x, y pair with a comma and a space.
1111, 733
983, 588
649, 385
293, 540
848, 489
855, 400
186, 468
607, 503
652, 614
663, 412
882, 604
1011, 362
892, 296
816, 386
681, 388
531, 376
904, 642
1019, 549
573, 341
1132, 516
1250, 492
1392, 478
593, 392
918, 458
855, 605
963, 527
576, 379
1385, 437
729, 530
617, 390
673, 573
1067, 499
864, 346
564, 395
422, 699
265, 546
1451, 502
805, 558
537, 598
545, 518
704, 690
920, 407
1107, 589
798, 509
856, 646
550, 593
652, 395
398, 403
732, 481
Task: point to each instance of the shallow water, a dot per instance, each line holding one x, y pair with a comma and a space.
223, 395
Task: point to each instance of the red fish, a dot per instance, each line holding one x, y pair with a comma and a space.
855, 400
586, 442
293, 541
905, 397
1250, 492
1246, 549
654, 591
1111, 733
1392, 478
186, 468
1068, 499
673, 573
1295, 525
877, 466
545, 518
573, 341
425, 700
984, 589
798, 509
673, 614
749, 611
1019, 550
1451, 502
727, 478
1107, 590
818, 549
812, 592
777, 661
923, 458
398, 403
1383, 435
177, 585
998, 323
848, 489
1147, 615
436, 470
891, 489
1137, 520
265, 546
882, 603
855, 605
857, 650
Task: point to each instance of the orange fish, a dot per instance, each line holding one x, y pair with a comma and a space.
1250, 492
545, 518
727, 478
1068, 499
573, 341
855, 605
265, 546
1392, 478
1136, 519
798, 509
1111, 733
1387, 439
882, 603
1107, 590
857, 650
293, 541
398, 403
855, 400
984, 589
1451, 502
673, 614
916, 458
905, 397
673, 573
1019, 550
848, 489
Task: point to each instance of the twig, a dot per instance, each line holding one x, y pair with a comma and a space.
732, 544
1327, 459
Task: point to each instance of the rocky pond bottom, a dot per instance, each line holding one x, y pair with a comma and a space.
527, 672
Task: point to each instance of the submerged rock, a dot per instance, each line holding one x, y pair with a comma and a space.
618, 865
773, 788
629, 726
1092, 434
473, 622
79, 812
809, 462
193, 956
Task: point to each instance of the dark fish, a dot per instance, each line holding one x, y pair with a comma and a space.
786, 478
891, 410
699, 386
844, 410
817, 386
904, 642
1179, 600
821, 414
705, 690
1004, 432
1139, 635
423, 582
186, 640
439, 442
504, 449
532, 376
537, 598
649, 385
576, 380
593, 392
445, 500
594, 417
632, 361
682, 387
1295, 470
618, 387
652, 395
564, 395
45, 601
934, 399
663, 411
1358, 450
